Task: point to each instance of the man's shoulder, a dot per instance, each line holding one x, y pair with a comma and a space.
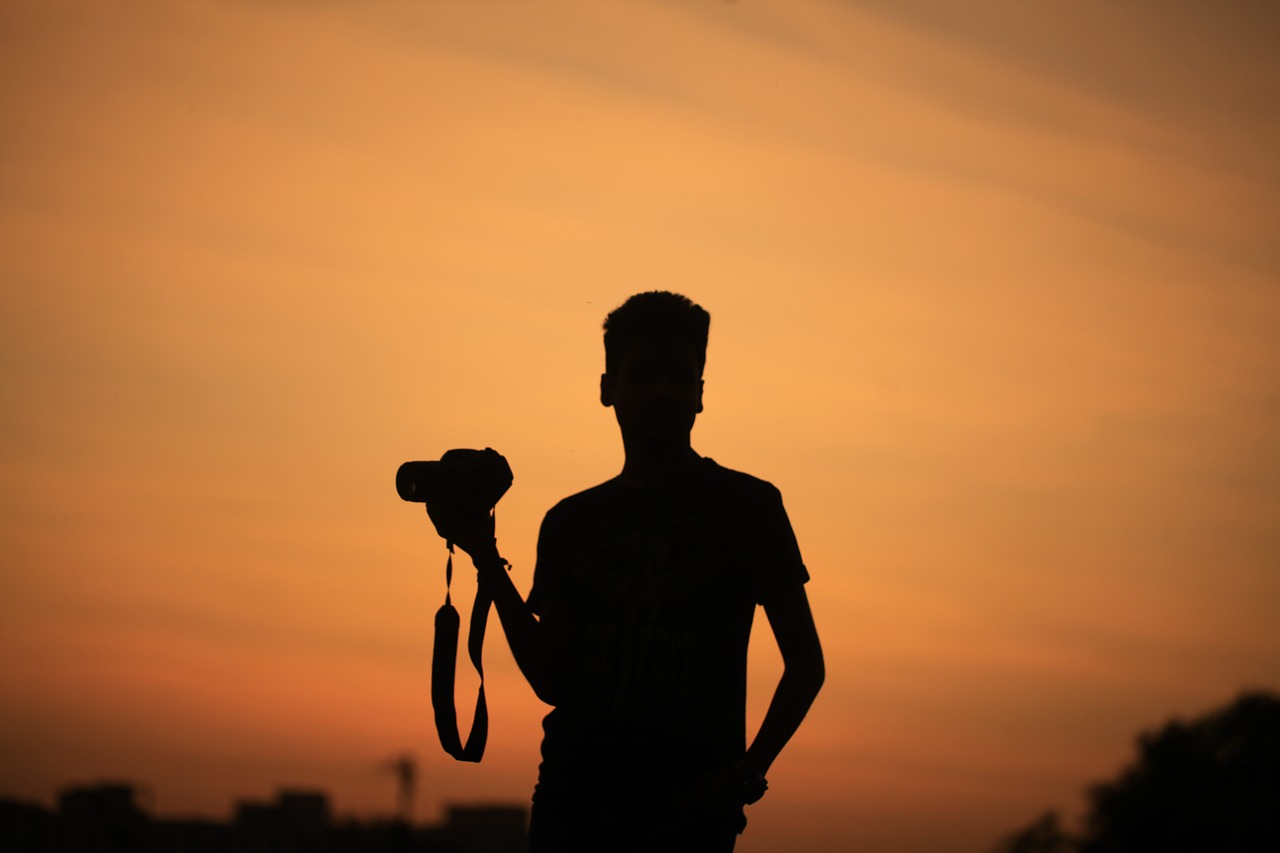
721, 485
737, 480
585, 499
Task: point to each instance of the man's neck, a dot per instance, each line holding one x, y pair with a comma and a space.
650, 465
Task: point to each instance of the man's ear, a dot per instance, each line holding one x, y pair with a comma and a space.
606, 390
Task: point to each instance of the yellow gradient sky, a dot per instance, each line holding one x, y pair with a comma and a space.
995, 292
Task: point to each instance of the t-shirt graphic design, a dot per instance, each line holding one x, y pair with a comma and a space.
641, 572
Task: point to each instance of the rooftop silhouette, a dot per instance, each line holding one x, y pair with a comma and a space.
106, 816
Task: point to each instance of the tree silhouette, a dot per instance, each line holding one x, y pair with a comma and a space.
1043, 835
1209, 785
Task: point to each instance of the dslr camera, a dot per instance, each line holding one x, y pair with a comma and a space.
460, 486
461, 481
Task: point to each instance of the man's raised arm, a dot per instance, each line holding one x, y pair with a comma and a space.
527, 637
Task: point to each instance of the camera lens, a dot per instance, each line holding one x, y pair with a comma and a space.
418, 481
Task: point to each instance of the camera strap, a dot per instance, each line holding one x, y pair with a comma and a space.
443, 671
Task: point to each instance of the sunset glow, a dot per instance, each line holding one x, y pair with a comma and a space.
995, 293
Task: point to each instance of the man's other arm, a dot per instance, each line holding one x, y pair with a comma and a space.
787, 609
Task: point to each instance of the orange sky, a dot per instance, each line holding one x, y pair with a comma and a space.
994, 292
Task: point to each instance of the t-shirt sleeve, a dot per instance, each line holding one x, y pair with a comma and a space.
778, 560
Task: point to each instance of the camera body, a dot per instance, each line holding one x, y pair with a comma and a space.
461, 480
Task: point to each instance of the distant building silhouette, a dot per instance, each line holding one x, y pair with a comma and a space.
485, 829
25, 826
297, 822
106, 818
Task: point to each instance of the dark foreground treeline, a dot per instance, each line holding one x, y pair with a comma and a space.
106, 818
1211, 785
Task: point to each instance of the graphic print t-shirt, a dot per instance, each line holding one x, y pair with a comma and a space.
655, 591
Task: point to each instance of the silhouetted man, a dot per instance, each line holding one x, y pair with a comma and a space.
637, 625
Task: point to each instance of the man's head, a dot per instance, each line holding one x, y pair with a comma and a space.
660, 316
655, 349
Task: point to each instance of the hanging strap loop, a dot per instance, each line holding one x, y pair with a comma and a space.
444, 670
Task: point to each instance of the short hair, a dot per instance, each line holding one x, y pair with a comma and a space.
655, 315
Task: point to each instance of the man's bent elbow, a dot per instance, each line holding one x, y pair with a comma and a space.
817, 676
811, 673
804, 678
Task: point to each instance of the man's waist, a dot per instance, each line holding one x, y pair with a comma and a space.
594, 742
